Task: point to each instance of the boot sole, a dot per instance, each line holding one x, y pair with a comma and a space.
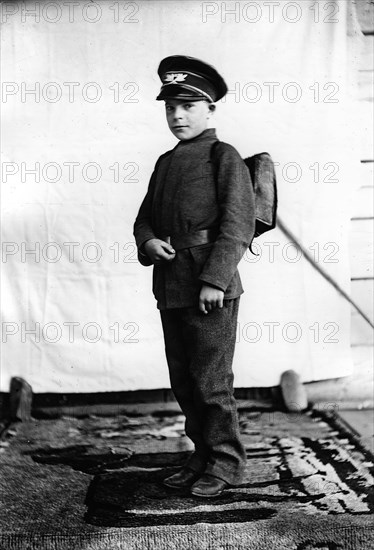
207, 496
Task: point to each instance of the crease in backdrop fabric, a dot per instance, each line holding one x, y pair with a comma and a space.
111, 299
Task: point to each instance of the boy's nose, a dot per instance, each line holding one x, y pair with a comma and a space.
178, 113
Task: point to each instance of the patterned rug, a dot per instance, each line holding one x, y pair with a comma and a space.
308, 485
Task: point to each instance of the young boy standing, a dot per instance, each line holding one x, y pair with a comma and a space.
194, 225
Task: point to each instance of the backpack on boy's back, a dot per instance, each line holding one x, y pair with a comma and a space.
262, 172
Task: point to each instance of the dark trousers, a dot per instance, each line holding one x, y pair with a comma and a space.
199, 351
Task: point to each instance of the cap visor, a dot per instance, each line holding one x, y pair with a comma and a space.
179, 92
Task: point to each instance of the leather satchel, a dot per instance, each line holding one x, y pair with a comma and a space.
262, 172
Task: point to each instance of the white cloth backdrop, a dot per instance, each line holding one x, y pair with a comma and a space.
89, 303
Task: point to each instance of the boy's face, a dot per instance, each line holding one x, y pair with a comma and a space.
187, 119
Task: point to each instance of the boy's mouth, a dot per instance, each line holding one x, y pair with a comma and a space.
179, 127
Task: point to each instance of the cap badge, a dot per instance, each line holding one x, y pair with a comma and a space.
174, 78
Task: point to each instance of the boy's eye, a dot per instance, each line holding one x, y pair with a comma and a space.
169, 108
188, 105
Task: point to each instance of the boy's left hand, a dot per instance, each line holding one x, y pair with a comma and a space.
210, 298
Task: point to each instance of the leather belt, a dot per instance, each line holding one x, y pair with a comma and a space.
188, 240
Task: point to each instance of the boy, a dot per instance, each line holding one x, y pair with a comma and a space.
194, 224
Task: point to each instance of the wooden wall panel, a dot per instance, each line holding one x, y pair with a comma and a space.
361, 249
362, 225
363, 204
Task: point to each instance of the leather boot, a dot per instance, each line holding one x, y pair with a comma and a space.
208, 486
184, 478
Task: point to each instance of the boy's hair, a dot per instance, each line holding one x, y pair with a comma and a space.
212, 106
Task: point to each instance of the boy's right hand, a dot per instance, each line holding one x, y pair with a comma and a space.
159, 251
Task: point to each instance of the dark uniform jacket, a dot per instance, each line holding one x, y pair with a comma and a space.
188, 193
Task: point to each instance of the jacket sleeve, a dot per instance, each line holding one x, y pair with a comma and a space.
236, 202
143, 227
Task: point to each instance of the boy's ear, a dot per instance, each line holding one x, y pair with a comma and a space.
211, 109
